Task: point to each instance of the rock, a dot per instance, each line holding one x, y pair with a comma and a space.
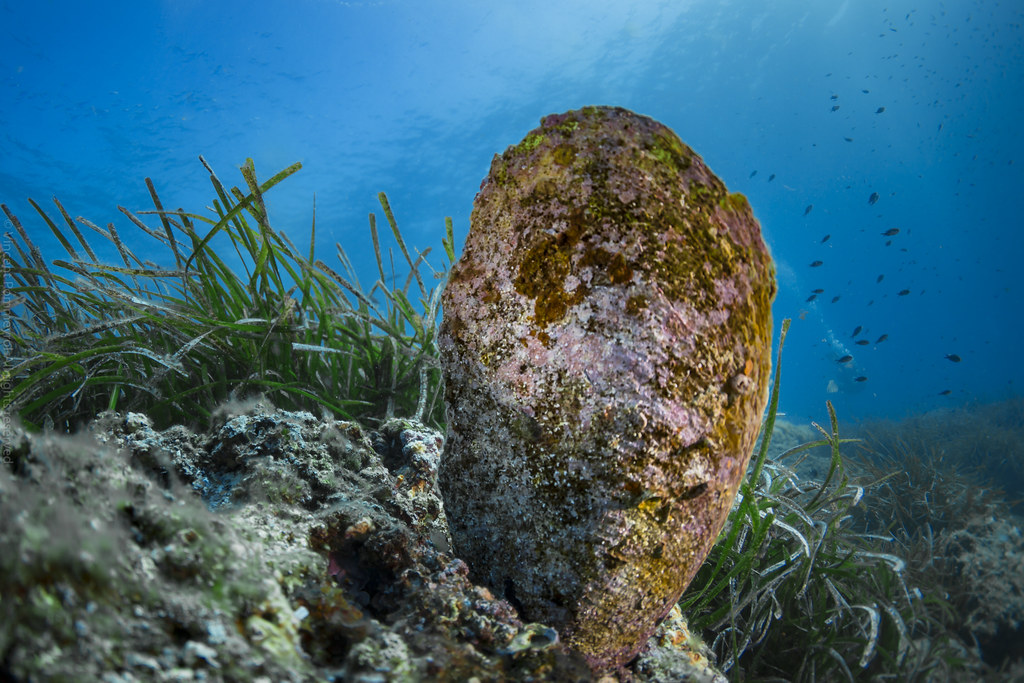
606, 351
133, 554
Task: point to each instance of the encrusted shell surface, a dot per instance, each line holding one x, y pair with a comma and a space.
606, 352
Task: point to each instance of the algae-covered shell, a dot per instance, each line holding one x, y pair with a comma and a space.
606, 351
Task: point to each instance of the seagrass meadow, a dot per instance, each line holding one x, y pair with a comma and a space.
838, 561
174, 342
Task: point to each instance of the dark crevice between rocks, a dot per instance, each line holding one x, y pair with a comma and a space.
510, 595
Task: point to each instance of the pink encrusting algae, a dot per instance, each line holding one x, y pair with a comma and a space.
606, 351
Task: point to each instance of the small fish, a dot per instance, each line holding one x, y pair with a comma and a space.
945, 392
903, 292
848, 139
890, 232
818, 291
753, 173
862, 342
880, 110
815, 264
771, 177
835, 97
808, 209
880, 278
873, 198
812, 297
953, 357
888, 243
862, 378
835, 299
865, 91
881, 339
825, 239
835, 107
845, 359
857, 330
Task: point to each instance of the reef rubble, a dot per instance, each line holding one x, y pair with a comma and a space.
274, 546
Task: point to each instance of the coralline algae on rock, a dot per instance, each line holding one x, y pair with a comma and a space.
606, 352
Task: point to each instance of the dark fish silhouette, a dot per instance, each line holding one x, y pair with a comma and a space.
881, 339
815, 264
945, 392
953, 357
862, 342
825, 239
865, 91
771, 177
818, 291
845, 359
835, 299
903, 292
753, 173
888, 243
880, 278
880, 110
808, 209
862, 378
891, 231
848, 139
873, 198
835, 107
835, 97
812, 297
857, 330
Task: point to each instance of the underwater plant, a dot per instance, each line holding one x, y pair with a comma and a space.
794, 591
957, 530
176, 342
980, 444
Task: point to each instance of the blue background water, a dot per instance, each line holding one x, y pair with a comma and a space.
414, 98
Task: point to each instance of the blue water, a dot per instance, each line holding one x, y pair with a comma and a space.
414, 98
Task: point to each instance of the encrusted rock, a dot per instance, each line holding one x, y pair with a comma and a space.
113, 570
606, 351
